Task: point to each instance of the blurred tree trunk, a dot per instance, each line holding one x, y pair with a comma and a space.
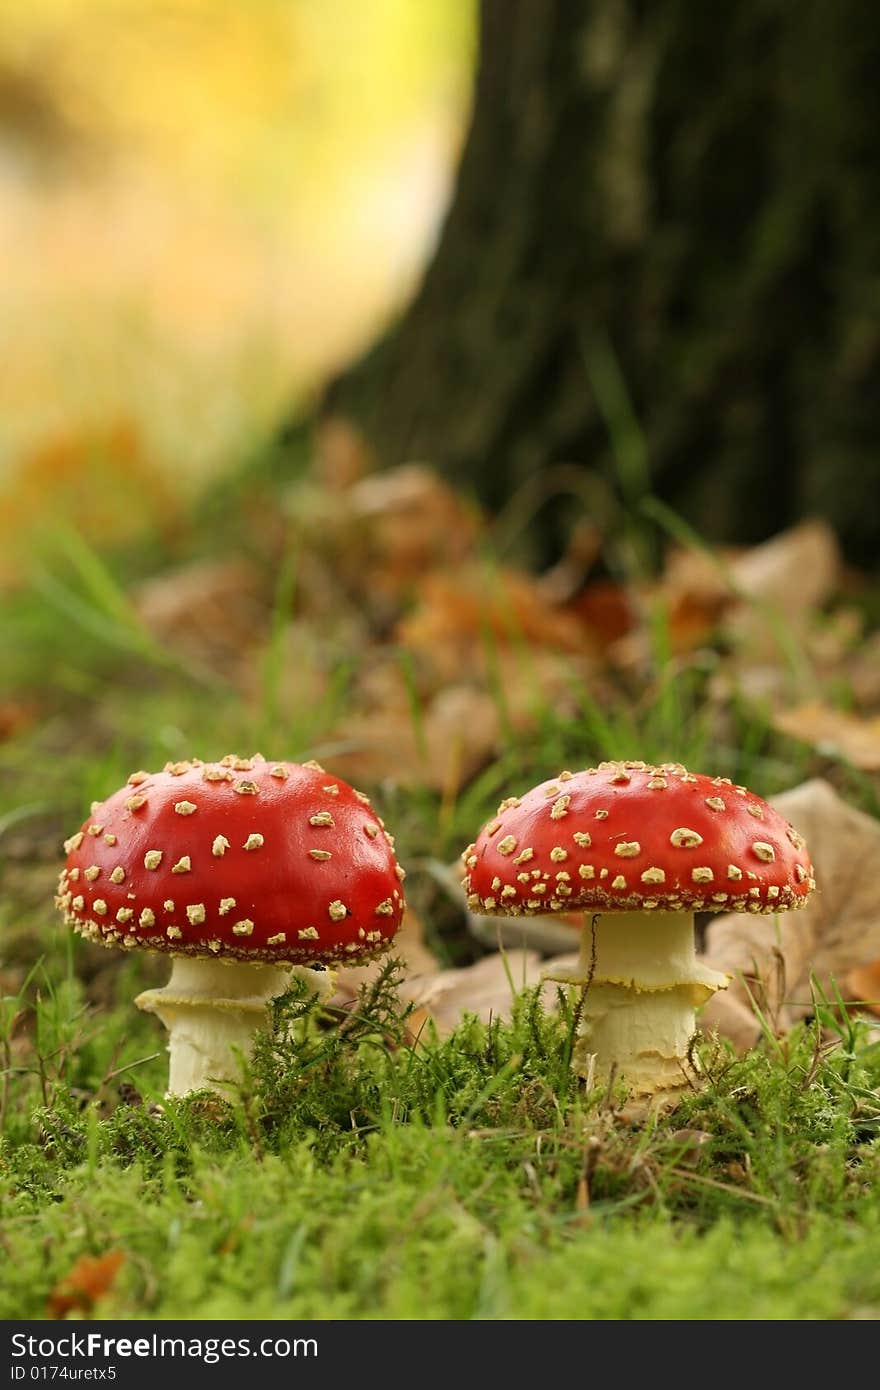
687, 196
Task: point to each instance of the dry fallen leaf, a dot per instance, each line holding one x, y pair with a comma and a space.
440, 996
863, 984
782, 585
834, 733
795, 571
86, 1282
211, 611
455, 735
412, 521
697, 589
835, 934
463, 609
606, 610
298, 677
534, 680
461, 730
731, 1017
377, 537
863, 672
763, 600
488, 988
342, 455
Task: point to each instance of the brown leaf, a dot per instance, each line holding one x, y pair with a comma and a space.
375, 538
487, 988
762, 599
691, 593
696, 591
461, 610
300, 677
833, 733
440, 997
342, 454
88, 1280
412, 521
795, 571
209, 610
863, 984
781, 586
461, 730
606, 609
733, 1019
455, 734
417, 1021
863, 672
698, 576
837, 932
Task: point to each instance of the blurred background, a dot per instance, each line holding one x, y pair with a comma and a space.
450, 391
658, 267
206, 208
453, 392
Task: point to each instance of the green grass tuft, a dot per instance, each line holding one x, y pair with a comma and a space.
350, 1175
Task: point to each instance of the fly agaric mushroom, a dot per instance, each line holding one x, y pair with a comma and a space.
240, 870
638, 850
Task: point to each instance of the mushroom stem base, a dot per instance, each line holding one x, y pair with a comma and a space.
643, 1037
644, 984
212, 1009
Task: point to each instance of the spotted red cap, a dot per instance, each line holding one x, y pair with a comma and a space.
627, 837
262, 861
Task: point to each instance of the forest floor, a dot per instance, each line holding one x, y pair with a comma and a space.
417, 1147
432, 1155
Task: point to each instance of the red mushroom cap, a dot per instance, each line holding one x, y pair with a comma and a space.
257, 860
626, 837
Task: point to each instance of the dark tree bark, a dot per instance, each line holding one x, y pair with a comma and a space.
690, 194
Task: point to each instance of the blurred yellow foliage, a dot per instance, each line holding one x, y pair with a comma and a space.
99, 481
207, 205
262, 99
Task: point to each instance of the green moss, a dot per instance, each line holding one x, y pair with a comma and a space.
350, 1176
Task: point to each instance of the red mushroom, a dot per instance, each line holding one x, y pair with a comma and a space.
639, 850
239, 870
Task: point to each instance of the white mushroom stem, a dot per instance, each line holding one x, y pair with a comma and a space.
644, 984
212, 1009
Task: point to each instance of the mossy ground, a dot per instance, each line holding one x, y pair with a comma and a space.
353, 1177
353, 1174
